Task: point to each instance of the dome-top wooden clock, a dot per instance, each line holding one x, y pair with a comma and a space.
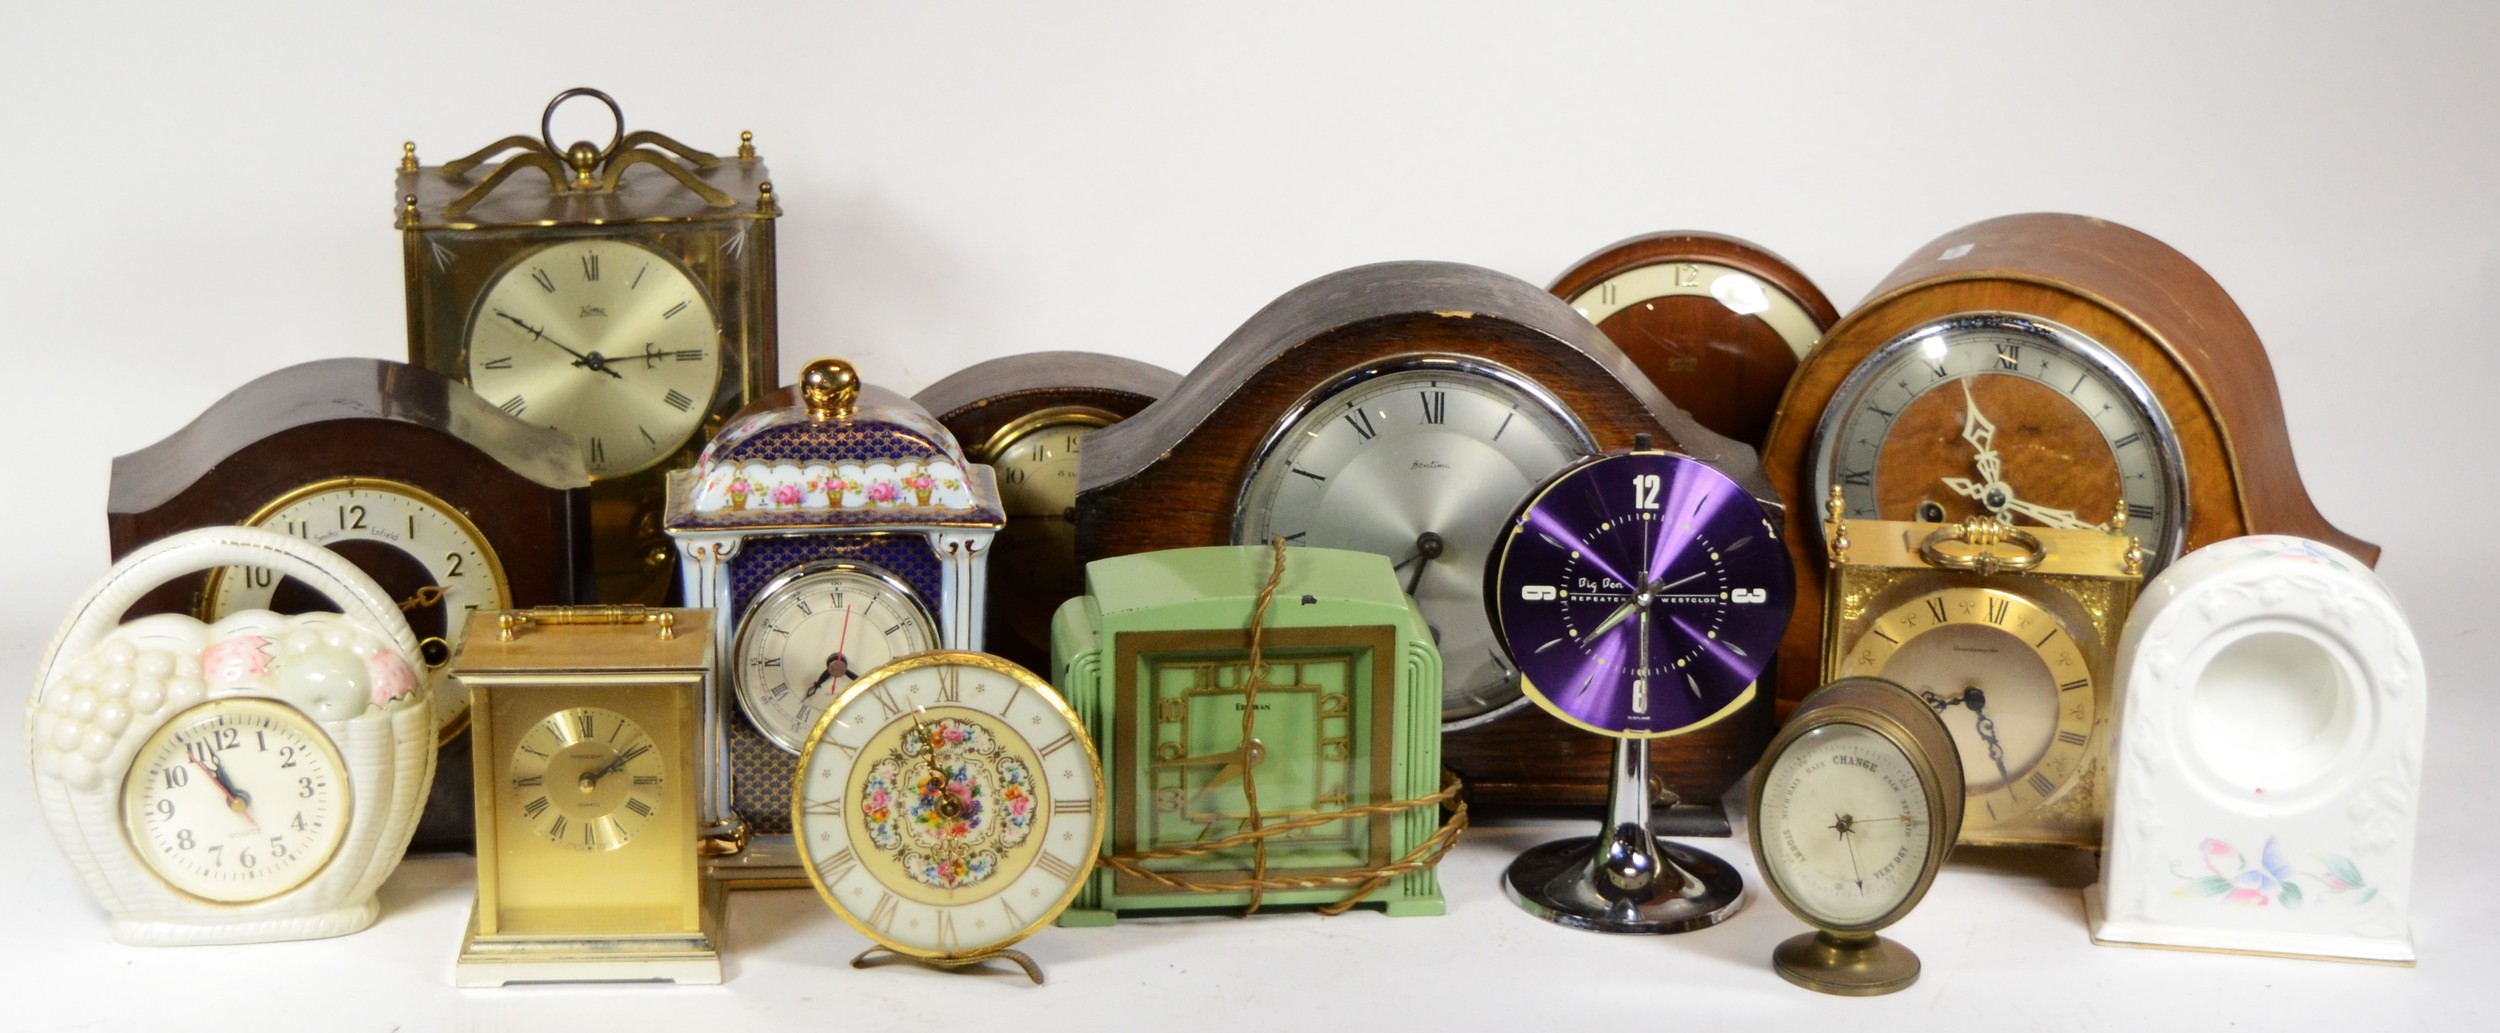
622, 294
2048, 371
1405, 409
1719, 324
451, 506
1026, 417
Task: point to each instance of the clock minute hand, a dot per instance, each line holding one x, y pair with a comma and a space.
584, 361
1981, 432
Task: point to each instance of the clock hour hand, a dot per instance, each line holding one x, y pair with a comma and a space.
1981, 432
237, 800
1977, 700
589, 362
931, 740
591, 780
1428, 547
1251, 754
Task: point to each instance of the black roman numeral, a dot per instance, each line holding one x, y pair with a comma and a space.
677, 400
1362, 423
1436, 406
2039, 783
502, 363
546, 282
514, 406
673, 311
590, 267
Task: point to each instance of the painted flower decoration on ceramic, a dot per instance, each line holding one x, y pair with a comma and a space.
787, 495
2272, 879
235, 660
882, 492
392, 679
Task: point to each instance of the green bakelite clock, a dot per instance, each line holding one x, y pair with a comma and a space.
1154, 658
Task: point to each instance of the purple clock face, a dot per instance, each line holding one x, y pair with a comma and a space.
1640, 594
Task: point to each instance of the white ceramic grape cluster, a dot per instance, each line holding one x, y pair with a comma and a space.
103, 689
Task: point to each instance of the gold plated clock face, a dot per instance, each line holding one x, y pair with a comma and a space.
2007, 417
605, 339
587, 778
815, 631
2010, 682
1421, 463
236, 800
1034, 558
419, 548
948, 805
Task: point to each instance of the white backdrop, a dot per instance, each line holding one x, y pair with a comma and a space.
199, 195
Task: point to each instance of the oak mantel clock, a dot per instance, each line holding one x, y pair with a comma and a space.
1719, 324
1404, 409
622, 294
450, 505
829, 536
1026, 417
2048, 371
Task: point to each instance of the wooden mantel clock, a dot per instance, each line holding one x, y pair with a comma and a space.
2048, 371
1405, 409
1718, 323
450, 505
1026, 416
622, 294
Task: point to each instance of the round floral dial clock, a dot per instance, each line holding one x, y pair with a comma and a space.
948, 804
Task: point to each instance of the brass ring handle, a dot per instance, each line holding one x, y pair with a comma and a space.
547, 122
1982, 536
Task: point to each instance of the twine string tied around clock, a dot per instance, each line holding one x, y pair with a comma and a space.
1364, 881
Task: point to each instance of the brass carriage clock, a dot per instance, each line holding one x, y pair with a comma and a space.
2008, 634
587, 797
830, 535
622, 294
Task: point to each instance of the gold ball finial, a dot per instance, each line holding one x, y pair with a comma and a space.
408, 156
746, 145
407, 210
583, 156
764, 203
829, 388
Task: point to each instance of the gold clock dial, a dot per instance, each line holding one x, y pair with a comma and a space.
236, 800
948, 805
1036, 458
2010, 681
587, 778
605, 339
419, 548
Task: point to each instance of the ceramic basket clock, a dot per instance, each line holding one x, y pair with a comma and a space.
2268, 779
248, 780
451, 506
1717, 323
2045, 370
1026, 417
589, 793
621, 294
1154, 658
828, 536
1403, 409
2008, 634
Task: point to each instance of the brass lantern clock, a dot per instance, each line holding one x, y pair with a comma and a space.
828, 537
622, 294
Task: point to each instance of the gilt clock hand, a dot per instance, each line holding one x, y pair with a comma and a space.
590, 780
948, 806
1981, 433
589, 362
2047, 517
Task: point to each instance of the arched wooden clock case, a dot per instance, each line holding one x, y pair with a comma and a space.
2165, 352
1176, 474
322, 423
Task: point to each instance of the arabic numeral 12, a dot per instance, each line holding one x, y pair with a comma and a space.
1645, 491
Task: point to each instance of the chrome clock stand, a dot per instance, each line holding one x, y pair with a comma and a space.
1625, 880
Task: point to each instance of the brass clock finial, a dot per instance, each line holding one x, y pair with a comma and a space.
2118, 517
1839, 533
829, 388
408, 156
2135, 558
764, 203
746, 145
584, 157
408, 211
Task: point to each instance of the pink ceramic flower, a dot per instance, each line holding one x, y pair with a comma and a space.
882, 491
786, 495
235, 659
391, 676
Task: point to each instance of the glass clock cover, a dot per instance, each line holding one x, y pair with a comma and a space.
1641, 594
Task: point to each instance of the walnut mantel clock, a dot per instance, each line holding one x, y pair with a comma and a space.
2048, 371
622, 294
450, 505
1719, 324
1404, 409
1026, 416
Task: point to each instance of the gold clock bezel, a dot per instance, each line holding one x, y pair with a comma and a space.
1007, 434
861, 689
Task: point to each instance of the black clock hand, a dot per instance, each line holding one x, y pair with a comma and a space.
1977, 701
591, 780
589, 362
1428, 546
237, 800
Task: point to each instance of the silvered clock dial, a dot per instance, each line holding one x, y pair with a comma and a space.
1419, 460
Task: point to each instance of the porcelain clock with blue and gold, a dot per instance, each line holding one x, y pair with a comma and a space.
828, 536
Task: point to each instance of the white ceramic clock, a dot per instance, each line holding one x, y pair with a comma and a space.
605, 339
249, 780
